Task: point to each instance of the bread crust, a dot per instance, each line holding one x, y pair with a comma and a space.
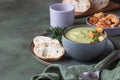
51, 59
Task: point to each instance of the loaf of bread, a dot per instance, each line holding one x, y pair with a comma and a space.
47, 49
80, 5
99, 4
85, 5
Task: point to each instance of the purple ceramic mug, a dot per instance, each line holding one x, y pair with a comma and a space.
61, 15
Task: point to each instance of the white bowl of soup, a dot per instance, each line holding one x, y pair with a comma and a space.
79, 43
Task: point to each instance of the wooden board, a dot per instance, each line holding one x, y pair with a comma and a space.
111, 6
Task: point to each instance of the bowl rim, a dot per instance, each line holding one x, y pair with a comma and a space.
77, 26
87, 22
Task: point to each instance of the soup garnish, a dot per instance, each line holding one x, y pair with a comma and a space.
86, 35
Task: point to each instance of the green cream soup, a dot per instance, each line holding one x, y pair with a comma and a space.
80, 35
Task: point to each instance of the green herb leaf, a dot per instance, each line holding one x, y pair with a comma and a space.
96, 39
56, 32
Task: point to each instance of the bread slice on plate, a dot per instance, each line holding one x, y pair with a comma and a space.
49, 52
43, 39
80, 5
99, 4
47, 49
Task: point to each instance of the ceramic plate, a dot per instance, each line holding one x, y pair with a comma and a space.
66, 60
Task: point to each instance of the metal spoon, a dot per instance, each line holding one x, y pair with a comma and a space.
95, 75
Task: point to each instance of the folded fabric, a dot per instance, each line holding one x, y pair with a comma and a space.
61, 72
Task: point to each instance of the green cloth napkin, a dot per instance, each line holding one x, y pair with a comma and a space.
62, 72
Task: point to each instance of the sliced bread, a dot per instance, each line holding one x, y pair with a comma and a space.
43, 39
49, 52
99, 4
80, 5
47, 49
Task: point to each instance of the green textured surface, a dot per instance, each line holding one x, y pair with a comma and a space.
20, 22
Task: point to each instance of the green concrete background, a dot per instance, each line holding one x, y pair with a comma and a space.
20, 22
